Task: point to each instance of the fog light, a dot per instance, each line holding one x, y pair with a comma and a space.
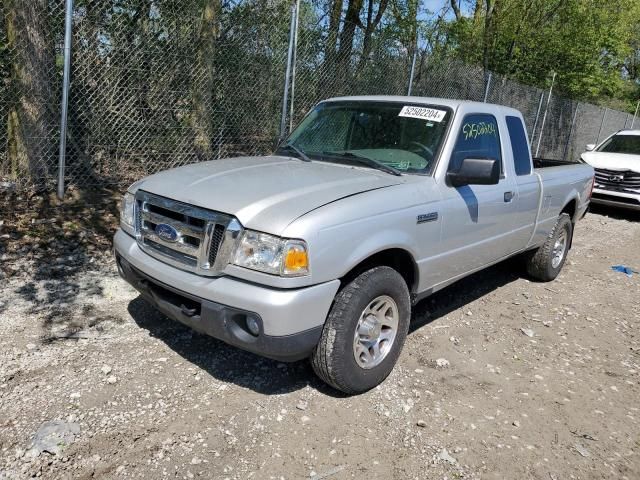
252, 325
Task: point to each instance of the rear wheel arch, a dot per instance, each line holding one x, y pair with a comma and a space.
570, 209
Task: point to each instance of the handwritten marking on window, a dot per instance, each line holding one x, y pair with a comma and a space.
479, 129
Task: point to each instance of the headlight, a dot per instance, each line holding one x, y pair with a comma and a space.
271, 254
127, 213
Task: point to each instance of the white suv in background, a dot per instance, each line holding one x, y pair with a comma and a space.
617, 169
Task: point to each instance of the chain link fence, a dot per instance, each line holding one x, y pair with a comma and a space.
158, 84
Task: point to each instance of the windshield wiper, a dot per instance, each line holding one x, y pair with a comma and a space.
370, 162
291, 147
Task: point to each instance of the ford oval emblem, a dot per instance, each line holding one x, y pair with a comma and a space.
166, 232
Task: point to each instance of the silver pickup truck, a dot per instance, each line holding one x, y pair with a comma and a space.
320, 249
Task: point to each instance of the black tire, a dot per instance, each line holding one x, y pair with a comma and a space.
333, 359
540, 262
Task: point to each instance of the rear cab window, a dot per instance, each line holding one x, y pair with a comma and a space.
519, 145
478, 138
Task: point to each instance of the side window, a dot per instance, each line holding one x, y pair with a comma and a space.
519, 146
478, 138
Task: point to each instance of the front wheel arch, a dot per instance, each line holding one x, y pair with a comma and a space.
397, 258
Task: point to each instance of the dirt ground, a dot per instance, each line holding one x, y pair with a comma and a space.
541, 380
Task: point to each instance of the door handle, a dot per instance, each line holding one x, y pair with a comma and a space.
189, 312
508, 196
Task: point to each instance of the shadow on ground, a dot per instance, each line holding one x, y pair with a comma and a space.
224, 362
230, 364
466, 291
613, 212
47, 244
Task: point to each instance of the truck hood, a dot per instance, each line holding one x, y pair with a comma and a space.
264, 193
612, 161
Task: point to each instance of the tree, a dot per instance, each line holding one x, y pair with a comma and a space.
30, 143
370, 26
203, 90
586, 42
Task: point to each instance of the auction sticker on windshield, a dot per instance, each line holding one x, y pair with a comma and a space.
422, 113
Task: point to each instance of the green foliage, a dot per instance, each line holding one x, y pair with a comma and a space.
588, 43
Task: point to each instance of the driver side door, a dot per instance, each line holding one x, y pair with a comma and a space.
476, 218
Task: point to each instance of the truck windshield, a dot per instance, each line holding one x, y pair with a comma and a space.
390, 136
629, 144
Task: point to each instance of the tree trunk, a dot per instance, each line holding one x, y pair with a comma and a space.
334, 27
30, 143
203, 90
351, 21
487, 34
370, 27
456, 9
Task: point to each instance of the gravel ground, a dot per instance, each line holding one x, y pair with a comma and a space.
500, 378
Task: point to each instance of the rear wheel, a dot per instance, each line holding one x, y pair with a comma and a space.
547, 261
364, 332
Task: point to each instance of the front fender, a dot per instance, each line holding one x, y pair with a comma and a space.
381, 241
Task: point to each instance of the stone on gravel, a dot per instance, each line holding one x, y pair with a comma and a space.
111, 380
581, 450
106, 369
444, 456
442, 363
528, 332
53, 436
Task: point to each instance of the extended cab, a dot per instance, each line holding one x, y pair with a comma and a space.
319, 250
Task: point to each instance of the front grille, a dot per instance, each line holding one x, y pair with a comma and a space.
216, 240
188, 237
618, 180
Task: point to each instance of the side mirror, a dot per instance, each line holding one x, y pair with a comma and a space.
590, 147
475, 171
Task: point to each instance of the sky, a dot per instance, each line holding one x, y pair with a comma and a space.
434, 5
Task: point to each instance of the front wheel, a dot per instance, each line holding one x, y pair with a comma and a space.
546, 262
364, 332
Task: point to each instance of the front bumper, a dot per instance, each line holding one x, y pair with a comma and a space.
290, 321
613, 198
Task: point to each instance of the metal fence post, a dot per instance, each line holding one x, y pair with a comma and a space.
413, 67
544, 117
535, 123
573, 123
287, 77
66, 79
635, 115
486, 88
604, 115
293, 65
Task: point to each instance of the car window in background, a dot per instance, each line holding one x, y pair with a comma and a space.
478, 138
629, 144
519, 146
402, 136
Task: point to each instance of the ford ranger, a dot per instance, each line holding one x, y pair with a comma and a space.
371, 204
